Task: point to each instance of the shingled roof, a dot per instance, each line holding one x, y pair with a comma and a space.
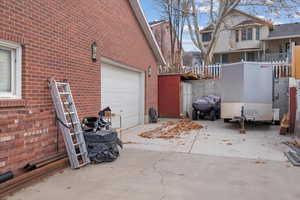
285, 30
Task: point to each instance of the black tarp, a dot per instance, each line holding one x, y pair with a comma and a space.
102, 145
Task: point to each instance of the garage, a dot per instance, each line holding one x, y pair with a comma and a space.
122, 89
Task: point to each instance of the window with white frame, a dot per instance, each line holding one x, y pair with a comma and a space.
10, 70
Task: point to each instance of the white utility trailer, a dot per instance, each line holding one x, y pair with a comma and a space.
247, 92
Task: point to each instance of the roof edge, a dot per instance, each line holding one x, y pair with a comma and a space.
139, 13
282, 37
263, 22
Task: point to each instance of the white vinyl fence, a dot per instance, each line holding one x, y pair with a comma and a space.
281, 69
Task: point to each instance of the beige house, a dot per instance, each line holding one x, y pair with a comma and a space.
249, 38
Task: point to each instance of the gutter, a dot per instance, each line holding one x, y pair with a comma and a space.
136, 6
239, 50
282, 37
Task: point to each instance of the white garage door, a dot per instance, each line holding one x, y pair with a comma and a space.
121, 90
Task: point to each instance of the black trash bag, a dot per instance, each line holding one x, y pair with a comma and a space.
153, 118
102, 145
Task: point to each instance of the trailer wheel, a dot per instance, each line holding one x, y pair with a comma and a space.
212, 115
194, 115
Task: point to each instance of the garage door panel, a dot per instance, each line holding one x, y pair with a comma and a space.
121, 90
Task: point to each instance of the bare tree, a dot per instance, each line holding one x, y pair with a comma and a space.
172, 11
180, 12
220, 9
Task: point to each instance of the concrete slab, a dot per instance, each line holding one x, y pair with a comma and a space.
145, 175
217, 138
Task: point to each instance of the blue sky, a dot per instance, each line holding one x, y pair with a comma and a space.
152, 13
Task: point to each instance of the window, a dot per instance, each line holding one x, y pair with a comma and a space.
244, 34
10, 70
257, 33
287, 47
206, 37
243, 56
249, 33
237, 35
280, 48
251, 56
224, 58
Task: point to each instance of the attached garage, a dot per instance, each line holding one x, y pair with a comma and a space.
122, 89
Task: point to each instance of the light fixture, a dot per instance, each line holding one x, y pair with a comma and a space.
94, 52
149, 71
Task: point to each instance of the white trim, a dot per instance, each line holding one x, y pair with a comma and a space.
117, 64
282, 37
238, 51
139, 13
16, 79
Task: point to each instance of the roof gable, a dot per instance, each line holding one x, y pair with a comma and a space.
136, 7
250, 20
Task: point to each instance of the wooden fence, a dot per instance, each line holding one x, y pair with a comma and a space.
281, 69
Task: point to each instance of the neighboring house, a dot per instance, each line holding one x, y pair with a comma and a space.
161, 31
42, 39
192, 59
249, 38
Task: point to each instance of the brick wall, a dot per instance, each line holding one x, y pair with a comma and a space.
162, 34
56, 36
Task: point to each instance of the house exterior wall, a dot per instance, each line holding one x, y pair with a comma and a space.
232, 57
226, 41
56, 38
273, 45
161, 32
169, 93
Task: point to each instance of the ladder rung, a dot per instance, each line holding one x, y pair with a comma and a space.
79, 143
67, 103
61, 84
81, 154
64, 93
69, 113
73, 123
76, 133
83, 164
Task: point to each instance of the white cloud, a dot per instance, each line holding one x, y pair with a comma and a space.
268, 2
186, 28
203, 9
261, 16
188, 45
296, 15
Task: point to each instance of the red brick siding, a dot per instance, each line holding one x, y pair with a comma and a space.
56, 37
162, 34
169, 93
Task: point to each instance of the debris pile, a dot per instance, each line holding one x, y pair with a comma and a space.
293, 155
296, 144
171, 129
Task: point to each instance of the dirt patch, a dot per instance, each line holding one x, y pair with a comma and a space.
171, 129
260, 162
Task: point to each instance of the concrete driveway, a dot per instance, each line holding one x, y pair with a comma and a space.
146, 175
215, 162
216, 138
